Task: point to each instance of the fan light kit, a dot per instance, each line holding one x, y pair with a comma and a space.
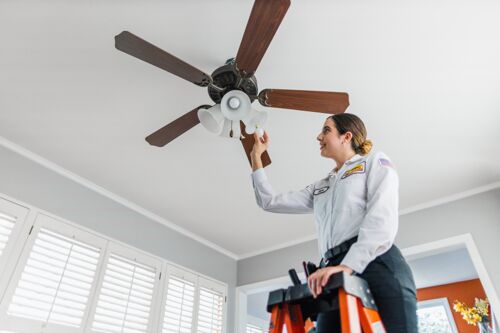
233, 86
224, 118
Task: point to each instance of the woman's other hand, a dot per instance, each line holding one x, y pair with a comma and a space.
318, 280
260, 145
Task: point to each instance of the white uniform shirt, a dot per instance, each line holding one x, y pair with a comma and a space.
360, 199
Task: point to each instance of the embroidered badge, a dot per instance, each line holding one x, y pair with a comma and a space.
386, 163
360, 168
321, 190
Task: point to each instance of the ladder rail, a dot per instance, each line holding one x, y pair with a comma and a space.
349, 315
354, 317
370, 319
293, 319
277, 320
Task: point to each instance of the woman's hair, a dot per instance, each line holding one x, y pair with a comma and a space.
347, 122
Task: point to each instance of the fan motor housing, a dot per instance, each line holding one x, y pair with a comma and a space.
228, 78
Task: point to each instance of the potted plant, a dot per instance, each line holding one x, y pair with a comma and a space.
477, 315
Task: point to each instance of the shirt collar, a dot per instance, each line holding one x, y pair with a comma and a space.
352, 160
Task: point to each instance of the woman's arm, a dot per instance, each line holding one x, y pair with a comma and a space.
259, 147
380, 224
295, 202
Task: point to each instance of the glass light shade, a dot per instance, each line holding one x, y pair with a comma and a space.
256, 121
235, 105
211, 118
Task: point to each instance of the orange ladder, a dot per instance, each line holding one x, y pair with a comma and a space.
349, 294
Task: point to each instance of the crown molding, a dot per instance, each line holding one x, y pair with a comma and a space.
101, 190
450, 198
90, 185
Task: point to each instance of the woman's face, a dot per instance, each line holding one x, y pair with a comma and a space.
330, 141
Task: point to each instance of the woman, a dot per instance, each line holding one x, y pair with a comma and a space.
356, 213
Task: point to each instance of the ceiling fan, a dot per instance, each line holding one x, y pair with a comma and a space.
233, 86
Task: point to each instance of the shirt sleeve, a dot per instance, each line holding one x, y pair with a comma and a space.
380, 224
294, 202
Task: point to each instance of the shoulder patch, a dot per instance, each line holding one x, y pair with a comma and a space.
321, 190
386, 163
360, 168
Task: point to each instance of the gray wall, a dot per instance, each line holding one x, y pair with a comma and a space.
478, 215
256, 305
443, 268
25, 180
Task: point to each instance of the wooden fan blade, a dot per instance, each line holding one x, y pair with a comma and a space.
248, 140
139, 48
315, 101
171, 131
264, 20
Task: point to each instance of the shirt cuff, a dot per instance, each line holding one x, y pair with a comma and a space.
355, 262
259, 176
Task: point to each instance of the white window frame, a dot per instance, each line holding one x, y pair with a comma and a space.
215, 286
18, 253
254, 328
24, 325
173, 270
141, 257
440, 302
20, 213
258, 322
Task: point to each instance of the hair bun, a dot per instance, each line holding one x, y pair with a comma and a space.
365, 147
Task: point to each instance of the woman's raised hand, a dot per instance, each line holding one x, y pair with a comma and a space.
259, 147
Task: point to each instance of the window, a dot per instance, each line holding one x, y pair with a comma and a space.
59, 278
187, 294
12, 217
211, 306
54, 283
434, 316
258, 325
126, 292
254, 329
179, 301
56, 280
7, 224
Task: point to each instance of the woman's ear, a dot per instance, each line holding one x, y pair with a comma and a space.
348, 137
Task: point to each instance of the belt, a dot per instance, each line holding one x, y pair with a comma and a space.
339, 249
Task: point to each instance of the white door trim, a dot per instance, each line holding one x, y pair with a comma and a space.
412, 252
461, 241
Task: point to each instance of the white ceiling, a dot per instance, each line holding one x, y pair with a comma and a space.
424, 75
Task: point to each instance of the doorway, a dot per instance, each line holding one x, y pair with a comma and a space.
445, 262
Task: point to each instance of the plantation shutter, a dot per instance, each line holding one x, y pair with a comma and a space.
179, 301
53, 286
12, 217
128, 287
7, 224
211, 306
56, 280
253, 329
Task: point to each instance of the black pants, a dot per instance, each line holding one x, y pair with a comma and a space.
391, 283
